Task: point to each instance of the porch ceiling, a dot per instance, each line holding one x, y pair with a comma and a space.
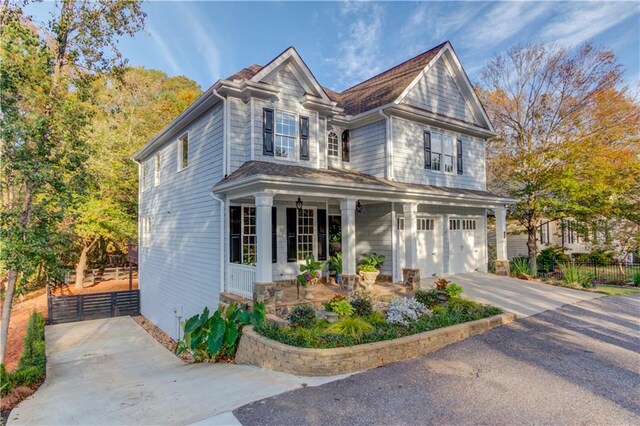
259, 176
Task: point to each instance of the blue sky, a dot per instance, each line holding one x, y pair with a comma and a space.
347, 42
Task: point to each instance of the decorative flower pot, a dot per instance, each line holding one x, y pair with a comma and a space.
309, 292
443, 297
332, 317
368, 279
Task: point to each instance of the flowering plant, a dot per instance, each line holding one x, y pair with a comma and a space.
406, 311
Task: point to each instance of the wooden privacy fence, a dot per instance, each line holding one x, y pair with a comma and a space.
90, 306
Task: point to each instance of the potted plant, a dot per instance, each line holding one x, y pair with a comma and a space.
441, 285
337, 308
335, 266
370, 265
308, 277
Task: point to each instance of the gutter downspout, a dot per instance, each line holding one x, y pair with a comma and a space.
225, 131
222, 202
388, 145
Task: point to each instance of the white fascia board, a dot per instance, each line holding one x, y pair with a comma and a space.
370, 192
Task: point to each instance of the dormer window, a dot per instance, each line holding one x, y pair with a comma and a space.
333, 145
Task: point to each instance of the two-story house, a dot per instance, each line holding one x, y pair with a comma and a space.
268, 167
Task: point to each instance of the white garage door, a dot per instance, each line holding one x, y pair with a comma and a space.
428, 247
463, 248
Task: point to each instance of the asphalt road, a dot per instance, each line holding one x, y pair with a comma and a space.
579, 364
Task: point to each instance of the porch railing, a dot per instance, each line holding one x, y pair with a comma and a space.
240, 279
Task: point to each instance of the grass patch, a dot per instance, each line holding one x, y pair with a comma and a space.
322, 335
615, 290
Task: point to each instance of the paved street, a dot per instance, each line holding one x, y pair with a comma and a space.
579, 364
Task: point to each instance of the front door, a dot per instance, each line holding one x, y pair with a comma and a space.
428, 252
335, 234
463, 253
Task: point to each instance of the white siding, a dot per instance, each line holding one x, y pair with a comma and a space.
438, 92
408, 158
367, 150
180, 268
239, 142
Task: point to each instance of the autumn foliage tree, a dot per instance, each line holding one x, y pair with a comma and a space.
566, 134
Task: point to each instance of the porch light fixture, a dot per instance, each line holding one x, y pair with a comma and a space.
299, 204
358, 207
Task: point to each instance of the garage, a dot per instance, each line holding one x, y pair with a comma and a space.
464, 242
429, 241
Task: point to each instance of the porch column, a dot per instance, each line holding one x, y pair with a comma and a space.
411, 272
348, 279
264, 270
502, 263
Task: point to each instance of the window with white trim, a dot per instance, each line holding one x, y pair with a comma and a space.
183, 151
443, 153
469, 224
401, 224
249, 239
454, 224
285, 140
306, 233
425, 224
146, 231
156, 170
143, 177
333, 145
544, 233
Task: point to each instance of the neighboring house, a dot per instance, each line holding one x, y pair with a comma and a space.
268, 167
575, 237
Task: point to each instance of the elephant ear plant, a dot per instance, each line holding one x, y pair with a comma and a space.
215, 337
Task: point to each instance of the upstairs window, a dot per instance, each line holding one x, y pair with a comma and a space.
146, 231
183, 151
346, 149
442, 153
285, 140
333, 145
143, 177
156, 171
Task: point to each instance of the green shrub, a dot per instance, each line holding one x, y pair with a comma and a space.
328, 305
362, 304
550, 257
429, 298
635, 278
302, 316
520, 266
33, 360
354, 327
215, 336
575, 276
376, 318
5, 383
453, 290
600, 257
371, 262
26, 376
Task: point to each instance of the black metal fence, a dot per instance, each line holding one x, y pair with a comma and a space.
81, 307
602, 272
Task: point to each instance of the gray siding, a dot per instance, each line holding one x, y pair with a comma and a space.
288, 101
239, 130
373, 233
408, 157
180, 267
438, 92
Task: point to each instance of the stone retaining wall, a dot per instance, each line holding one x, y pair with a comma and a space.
271, 355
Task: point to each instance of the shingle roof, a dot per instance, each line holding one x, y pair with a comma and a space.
338, 177
379, 90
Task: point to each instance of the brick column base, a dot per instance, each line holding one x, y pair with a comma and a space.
502, 267
411, 278
349, 283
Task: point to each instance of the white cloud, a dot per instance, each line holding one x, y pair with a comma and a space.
359, 54
167, 53
586, 20
202, 39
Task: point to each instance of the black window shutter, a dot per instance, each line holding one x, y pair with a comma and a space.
459, 155
304, 138
274, 235
427, 150
267, 132
322, 234
235, 231
292, 235
345, 146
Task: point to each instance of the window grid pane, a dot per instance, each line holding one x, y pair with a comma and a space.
285, 140
249, 241
333, 145
306, 232
448, 163
435, 161
185, 151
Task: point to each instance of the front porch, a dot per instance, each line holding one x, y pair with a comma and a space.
273, 223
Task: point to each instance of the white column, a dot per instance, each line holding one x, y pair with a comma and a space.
348, 210
411, 235
501, 233
264, 270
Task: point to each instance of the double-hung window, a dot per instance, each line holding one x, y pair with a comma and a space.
183, 151
285, 140
156, 170
306, 233
146, 231
443, 153
333, 145
143, 177
249, 240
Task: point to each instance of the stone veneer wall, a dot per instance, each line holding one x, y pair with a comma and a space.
271, 355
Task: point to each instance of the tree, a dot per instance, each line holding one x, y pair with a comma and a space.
45, 87
541, 100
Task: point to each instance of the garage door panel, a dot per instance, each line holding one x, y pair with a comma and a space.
463, 252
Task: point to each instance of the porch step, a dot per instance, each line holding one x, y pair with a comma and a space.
228, 298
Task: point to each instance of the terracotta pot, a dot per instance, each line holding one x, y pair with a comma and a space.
368, 279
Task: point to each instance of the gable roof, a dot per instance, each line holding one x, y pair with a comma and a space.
245, 73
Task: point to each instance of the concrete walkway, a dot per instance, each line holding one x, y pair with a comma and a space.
523, 298
111, 371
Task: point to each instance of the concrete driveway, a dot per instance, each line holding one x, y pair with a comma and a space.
523, 298
111, 371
